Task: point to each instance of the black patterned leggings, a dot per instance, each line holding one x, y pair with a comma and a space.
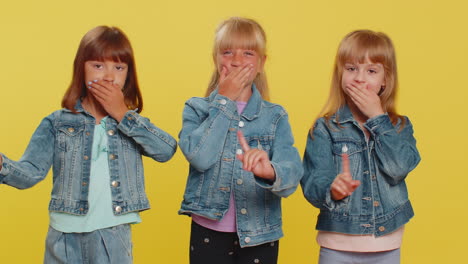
212, 247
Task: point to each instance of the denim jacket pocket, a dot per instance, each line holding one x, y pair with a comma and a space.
260, 142
354, 150
68, 135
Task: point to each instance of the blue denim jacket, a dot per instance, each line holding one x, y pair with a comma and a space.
380, 204
64, 140
209, 142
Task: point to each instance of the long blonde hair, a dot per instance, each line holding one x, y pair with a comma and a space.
238, 32
356, 47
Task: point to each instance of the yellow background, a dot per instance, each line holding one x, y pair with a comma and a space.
172, 42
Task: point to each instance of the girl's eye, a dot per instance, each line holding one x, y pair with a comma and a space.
98, 66
350, 68
372, 71
249, 53
227, 52
120, 68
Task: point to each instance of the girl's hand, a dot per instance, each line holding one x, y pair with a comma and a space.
111, 98
344, 185
365, 99
255, 160
233, 83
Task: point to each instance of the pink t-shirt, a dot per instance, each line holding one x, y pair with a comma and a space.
357, 243
228, 222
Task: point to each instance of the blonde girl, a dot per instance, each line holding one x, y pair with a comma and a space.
241, 155
358, 155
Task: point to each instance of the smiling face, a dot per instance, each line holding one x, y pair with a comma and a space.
107, 70
367, 75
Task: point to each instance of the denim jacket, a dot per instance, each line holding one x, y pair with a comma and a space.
380, 204
64, 140
209, 142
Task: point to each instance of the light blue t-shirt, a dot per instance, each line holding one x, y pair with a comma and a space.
100, 214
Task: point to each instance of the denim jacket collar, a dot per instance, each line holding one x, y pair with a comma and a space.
343, 115
252, 110
78, 107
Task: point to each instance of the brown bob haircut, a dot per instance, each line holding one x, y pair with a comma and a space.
104, 43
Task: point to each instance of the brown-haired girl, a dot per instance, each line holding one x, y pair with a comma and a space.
94, 145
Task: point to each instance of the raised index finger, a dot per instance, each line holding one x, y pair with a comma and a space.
345, 164
242, 141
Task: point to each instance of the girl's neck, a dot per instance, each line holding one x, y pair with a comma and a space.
94, 108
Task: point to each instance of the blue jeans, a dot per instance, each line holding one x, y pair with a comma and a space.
330, 256
103, 246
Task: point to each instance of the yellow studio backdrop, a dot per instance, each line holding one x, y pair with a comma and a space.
172, 41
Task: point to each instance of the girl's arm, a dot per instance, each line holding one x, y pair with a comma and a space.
204, 130
35, 162
285, 161
396, 152
154, 142
319, 169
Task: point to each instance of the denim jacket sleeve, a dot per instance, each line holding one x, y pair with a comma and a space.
204, 130
36, 160
154, 142
285, 161
396, 152
319, 169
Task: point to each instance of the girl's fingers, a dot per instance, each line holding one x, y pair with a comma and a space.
345, 164
244, 145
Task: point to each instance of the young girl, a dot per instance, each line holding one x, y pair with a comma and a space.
95, 145
358, 155
241, 154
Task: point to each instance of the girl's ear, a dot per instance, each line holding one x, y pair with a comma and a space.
382, 88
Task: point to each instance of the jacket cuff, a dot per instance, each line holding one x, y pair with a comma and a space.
379, 124
332, 204
270, 185
225, 105
129, 120
5, 167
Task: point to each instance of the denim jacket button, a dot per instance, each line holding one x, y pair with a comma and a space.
239, 151
382, 228
243, 211
115, 184
247, 240
110, 132
86, 157
376, 203
71, 129
223, 101
118, 209
112, 156
239, 181
241, 123
87, 133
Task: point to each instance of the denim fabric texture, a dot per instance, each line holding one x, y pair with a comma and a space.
380, 205
209, 142
64, 140
104, 246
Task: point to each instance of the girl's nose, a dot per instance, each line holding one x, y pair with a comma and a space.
359, 77
108, 77
236, 60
